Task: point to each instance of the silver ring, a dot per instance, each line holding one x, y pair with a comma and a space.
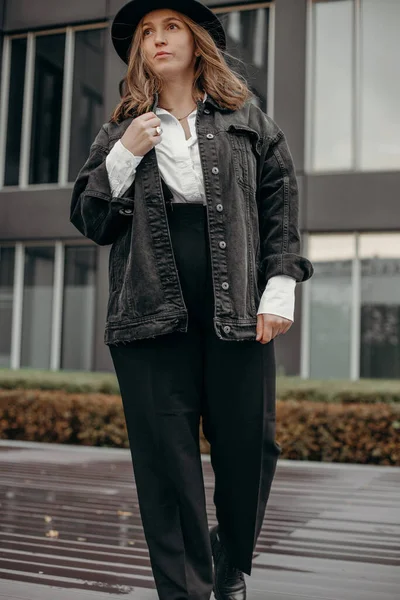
158, 130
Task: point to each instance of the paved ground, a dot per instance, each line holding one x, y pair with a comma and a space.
70, 529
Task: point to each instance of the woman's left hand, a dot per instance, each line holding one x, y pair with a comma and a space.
269, 326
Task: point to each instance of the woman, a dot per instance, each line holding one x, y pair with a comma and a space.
195, 189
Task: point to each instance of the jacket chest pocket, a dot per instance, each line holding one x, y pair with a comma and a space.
245, 152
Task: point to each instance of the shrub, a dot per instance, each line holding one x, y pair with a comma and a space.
68, 381
338, 432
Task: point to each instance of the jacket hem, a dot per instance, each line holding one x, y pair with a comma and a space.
236, 330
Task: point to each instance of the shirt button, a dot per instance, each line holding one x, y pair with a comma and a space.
206, 110
210, 136
219, 207
227, 328
215, 170
222, 244
225, 285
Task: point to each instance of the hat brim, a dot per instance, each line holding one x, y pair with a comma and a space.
128, 17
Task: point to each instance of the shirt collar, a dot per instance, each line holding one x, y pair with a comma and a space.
163, 109
156, 108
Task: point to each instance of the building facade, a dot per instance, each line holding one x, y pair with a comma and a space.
326, 71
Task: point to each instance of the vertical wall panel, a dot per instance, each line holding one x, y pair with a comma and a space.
290, 64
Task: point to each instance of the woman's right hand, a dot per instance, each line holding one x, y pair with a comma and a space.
140, 136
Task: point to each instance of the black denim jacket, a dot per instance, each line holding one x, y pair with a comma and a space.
252, 214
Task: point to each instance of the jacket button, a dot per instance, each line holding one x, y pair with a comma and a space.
215, 170
206, 110
227, 328
126, 211
225, 285
222, 244
219, 207
210, 136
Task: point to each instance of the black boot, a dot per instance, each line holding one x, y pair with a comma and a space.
229, 583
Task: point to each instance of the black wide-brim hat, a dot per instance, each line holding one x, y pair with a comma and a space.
128, 17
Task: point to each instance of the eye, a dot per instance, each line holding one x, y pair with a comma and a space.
145, 31
173, 25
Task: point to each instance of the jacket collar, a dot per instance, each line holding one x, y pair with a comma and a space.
210, 100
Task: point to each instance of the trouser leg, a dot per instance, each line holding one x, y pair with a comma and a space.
161, 382
239, 422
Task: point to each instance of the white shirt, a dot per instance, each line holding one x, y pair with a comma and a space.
180, 167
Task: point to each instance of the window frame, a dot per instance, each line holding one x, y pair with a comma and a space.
356, 304
356, 104
58, 292
68, 80
271, 42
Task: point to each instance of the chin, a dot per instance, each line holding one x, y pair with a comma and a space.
168, 69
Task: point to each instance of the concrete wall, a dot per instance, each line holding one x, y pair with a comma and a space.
35, 14
352, 201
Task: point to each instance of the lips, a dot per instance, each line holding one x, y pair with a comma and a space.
162, 54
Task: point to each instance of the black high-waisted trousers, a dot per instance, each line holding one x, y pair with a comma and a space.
167, 383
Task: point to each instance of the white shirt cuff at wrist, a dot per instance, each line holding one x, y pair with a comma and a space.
279, 297
121, 167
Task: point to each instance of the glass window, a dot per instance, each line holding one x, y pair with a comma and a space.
380, 85
46, 111
332, 77
78, 307
37, 307
380, 305
7, 256
15, 106
330, 305
247, 40
87, 97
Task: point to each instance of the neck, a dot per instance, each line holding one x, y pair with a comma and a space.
177, 96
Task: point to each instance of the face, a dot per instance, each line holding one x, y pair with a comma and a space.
163, 31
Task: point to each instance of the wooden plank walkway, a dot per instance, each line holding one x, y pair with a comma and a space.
331, 532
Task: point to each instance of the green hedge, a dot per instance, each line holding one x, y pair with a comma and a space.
79, 382
365, 390
341, 391
317, 431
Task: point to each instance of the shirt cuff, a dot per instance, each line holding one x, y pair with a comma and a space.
121, 167
279, 297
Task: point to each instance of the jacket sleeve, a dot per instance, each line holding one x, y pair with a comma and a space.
94, 211
278, 214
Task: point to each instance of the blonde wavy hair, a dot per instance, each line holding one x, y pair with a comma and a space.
211, 75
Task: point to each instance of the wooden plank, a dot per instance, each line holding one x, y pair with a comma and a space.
331, 532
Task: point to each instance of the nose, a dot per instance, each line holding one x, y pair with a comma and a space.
159, 38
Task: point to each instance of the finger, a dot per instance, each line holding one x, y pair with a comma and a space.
267, 335
279, 324
285, 326
146, 116
288, 326
153, 134
280, 328
151, 123
275, 331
